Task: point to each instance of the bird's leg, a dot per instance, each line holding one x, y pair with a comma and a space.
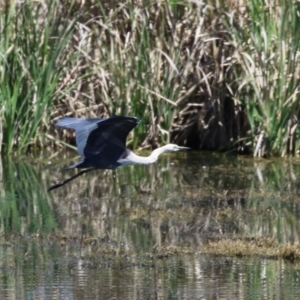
59, 184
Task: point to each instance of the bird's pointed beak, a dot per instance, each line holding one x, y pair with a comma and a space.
184, 148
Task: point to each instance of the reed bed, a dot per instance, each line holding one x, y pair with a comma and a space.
213, 75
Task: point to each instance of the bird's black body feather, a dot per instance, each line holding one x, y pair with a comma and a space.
100, 142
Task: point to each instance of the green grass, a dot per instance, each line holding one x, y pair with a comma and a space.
142, 64
222, 77
33, 44
267, 53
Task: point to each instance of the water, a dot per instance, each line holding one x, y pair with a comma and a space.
141, 232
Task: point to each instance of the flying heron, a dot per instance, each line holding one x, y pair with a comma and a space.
101, 144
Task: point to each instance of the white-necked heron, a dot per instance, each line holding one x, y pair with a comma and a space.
101, 144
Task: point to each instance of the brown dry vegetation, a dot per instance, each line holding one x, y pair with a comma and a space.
185, 68
175, 80
216, 75
259, 247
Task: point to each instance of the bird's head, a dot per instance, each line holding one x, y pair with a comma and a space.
173, 148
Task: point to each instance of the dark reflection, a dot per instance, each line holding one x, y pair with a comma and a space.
127, 233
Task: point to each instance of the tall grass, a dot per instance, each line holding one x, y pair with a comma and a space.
193, 80
212, 76
149, 59
268, 56
33, 57
144, 75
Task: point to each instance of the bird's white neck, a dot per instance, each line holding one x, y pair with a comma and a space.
134, 159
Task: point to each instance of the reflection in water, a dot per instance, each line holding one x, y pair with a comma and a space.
137, 233
55, 275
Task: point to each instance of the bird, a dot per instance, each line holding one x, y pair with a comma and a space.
101, 143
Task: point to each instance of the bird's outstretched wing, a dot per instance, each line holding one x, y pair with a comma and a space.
105, 137
82, 127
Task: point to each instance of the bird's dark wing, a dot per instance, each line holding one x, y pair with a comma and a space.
109, 139
104, 137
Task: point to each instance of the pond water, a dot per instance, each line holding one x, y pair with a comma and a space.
141, 232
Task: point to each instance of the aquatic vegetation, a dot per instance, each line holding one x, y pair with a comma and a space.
34, 42
210, 76
266, 58
253, 247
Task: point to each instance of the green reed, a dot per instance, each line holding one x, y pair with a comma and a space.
33, 42
142, 64
267, 55
168, 63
